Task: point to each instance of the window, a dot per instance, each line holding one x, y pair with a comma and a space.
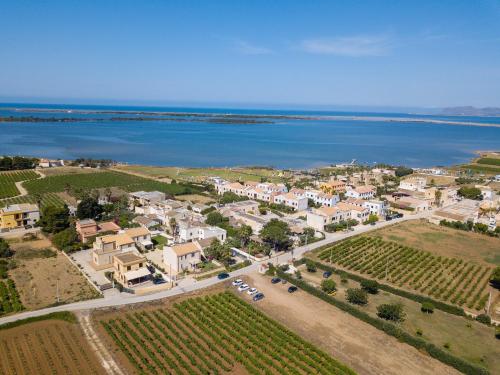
140, 265
128, 268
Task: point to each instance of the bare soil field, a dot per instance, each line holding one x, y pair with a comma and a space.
195, 198
469, 340
357, 344
40, 273
443, 241
47, 347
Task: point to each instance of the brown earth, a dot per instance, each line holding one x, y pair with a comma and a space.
360, 346
47, 347
39, 279
443, 241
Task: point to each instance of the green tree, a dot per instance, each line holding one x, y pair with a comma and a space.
244, 233
403, 171
218, 251
371, 219
370, 286
483, 318
328, 286
393, 312
54, 218
88, 208
495, 278
214, 218
66, 239
277, 234
5, 250
357, 296
470, 193
427, 307
310, 266
437, 198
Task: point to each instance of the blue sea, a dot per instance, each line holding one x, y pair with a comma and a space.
286, 143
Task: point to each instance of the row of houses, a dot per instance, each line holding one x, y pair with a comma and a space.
19, 216
356, 209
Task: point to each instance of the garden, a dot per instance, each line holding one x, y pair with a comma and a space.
214, 334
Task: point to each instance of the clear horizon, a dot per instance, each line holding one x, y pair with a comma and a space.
419, 54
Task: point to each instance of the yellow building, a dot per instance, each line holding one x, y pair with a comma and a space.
19, 215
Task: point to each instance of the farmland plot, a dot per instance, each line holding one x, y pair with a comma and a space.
8, 180
46, 347
46, 199
452, 280
215, 334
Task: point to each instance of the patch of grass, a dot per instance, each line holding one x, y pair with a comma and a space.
35, 253
489, 161
481, 168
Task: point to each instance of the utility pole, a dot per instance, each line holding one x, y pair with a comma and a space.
57, 291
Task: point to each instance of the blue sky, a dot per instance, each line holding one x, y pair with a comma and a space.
367, 53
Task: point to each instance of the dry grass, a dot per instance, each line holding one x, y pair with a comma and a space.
38, 278
443, 241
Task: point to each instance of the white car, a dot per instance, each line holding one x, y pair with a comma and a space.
243, 287
237, 282
252, 291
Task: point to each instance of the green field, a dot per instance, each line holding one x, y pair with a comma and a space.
47, 199
489, 161
200, 174
89, 181
453, 280
217, 334
8, 180
9, 298
486, 169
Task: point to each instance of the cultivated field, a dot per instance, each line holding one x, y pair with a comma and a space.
214, 334
46, 199
469, 340
443, 241
88, 181
8, 180
43, 273
47, 347
201, 174
9, 297
453, 280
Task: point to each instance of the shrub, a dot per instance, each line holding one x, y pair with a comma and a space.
427, 307
371, 286
310, 266
328, 286
447, 345
357, 296
393, 312
419, 332
495, 278
483, 318
497, 332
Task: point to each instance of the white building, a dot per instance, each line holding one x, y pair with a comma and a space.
317, 196
413, 183
189, 232
376, 207
290, 200
361, 192
144, 198
181, 257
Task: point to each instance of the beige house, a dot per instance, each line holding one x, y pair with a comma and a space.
106, 247
181, 257
130, 269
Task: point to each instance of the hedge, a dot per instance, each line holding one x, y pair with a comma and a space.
391, 329
450, 309
60, 315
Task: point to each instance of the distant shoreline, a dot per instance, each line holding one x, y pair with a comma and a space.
223, 118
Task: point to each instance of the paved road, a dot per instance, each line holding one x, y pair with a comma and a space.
114, 298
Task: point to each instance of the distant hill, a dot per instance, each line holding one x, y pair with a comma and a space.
471, 111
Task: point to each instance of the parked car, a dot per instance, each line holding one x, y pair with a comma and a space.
150, 268
292, 289
243, 287
275, 280
237, 282
258, 297
159, 281
327, 274
252, 291
284, 281
222, 276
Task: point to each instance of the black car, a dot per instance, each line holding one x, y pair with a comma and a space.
159, 281
275, 280
222, 276
258, 297
292, 289
327, 274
